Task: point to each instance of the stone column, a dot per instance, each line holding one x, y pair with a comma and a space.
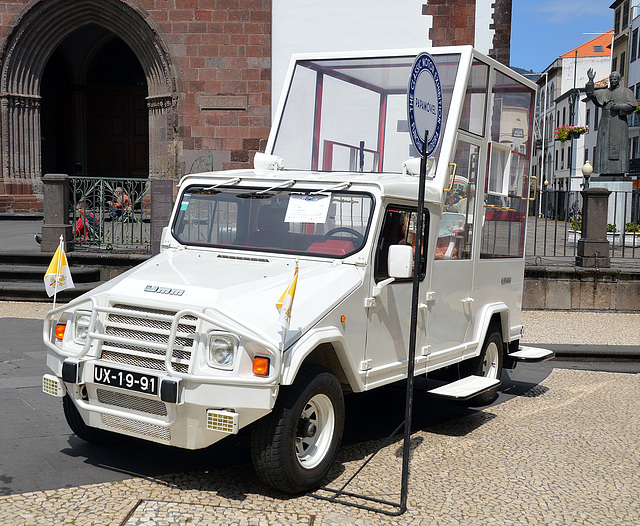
593, 247
56, 213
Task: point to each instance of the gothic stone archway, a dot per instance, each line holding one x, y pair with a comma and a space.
38, 31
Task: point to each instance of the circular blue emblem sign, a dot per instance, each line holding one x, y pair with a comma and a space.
424, 104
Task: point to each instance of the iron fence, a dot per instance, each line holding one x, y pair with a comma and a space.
111, 214
555, 229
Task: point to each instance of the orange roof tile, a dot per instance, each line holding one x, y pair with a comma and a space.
588, 48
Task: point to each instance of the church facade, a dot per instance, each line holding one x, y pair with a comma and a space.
151, 88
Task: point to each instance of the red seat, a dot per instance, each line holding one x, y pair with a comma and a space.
334, 247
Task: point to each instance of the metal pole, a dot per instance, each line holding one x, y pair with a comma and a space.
417, 261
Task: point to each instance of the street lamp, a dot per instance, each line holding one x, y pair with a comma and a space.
587, 170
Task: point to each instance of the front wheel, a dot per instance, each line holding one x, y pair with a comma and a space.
82, 430
294, 446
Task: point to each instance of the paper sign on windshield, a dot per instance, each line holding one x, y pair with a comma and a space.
305, 208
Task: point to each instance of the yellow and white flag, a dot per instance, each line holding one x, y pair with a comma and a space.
58, 275
285, 302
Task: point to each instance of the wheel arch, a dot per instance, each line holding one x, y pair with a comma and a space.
325, 347
495, 314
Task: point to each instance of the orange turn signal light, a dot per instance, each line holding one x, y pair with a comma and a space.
59, 332
261, 366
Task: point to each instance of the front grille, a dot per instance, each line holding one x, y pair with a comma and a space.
145, 333
135, 403
139, 428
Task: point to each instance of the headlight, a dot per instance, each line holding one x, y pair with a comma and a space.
222, 350
81, 327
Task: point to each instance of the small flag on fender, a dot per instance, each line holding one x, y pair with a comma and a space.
285, 302
58, 275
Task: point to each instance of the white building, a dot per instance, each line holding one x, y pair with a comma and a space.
560, 88
307, 26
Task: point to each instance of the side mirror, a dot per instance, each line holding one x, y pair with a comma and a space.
400, 261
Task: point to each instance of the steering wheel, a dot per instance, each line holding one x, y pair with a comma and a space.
359, 237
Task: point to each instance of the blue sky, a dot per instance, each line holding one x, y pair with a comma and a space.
543, 30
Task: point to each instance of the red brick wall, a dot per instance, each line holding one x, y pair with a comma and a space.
221, 48
454, 23
502, 37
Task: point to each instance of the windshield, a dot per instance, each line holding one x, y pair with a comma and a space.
327, 224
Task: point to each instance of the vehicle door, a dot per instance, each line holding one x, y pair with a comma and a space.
451, 308
389, 314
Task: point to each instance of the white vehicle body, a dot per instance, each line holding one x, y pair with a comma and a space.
166, 352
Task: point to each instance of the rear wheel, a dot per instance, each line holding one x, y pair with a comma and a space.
488, 364
294, 446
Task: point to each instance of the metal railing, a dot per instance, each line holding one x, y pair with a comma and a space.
104, 225
555, 229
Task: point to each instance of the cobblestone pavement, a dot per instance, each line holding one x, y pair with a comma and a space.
563, 453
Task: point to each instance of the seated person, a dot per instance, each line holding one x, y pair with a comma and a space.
121, 203
87, 225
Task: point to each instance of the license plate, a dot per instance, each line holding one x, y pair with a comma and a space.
143, 383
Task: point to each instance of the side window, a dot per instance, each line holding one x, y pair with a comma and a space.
399, 228
504, 204
455, 234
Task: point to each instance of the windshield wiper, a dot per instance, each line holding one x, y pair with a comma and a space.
223, 183
268, 192
339, 186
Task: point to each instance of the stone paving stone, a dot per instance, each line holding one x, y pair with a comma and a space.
565, 453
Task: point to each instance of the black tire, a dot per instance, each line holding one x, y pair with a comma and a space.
82, 430
294, 446
488, 364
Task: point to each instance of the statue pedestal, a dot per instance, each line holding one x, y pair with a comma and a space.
593, 247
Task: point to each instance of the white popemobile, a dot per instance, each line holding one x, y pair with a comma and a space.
188, 347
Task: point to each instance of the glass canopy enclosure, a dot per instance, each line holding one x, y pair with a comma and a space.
350, 114
343, 112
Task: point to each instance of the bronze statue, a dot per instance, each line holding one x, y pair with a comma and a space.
612, 147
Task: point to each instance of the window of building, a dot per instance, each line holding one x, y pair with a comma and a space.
616, 20
614, 64
634, 45
558, 116
586, 155
625, 15
623, 62
598, 49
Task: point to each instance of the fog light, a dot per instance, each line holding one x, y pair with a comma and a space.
223, 421
53, 385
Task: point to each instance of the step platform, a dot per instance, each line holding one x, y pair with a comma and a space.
531, 354
466, 388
